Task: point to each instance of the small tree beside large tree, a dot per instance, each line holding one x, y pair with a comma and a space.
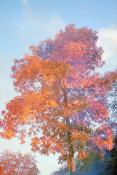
17, 164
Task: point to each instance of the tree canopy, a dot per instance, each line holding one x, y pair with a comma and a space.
17, 164
61, 97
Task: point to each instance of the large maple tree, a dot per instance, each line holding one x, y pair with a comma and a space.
61, 97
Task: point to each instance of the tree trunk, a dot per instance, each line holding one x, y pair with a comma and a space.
71, 163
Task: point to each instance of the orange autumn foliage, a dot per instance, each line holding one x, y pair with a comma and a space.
61, 97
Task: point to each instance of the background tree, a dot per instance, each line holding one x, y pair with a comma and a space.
17, 164
110, 161
112, 105
61, 171
61, 97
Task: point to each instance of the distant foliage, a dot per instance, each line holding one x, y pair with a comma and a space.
61, 97
112, 105
17, 164
61, 171
110, 161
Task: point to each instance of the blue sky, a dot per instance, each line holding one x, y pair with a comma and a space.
24, 22
27, 22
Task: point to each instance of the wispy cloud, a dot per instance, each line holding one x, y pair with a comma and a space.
35, 26
24, 1
108, 40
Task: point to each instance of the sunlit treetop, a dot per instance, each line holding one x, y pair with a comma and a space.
77, 46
